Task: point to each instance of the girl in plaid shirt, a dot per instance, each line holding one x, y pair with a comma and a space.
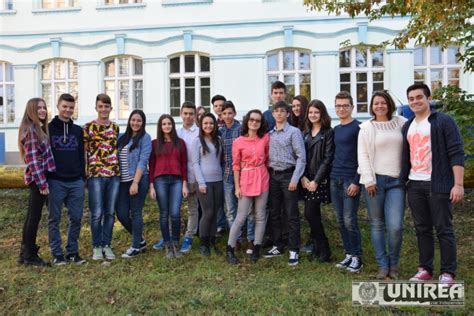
33, 142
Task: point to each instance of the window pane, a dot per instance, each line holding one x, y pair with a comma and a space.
73, 91
453, 83
346, 87
175, 83
47, 4
2, 107
378, 76
205, 91
361, 76
435, 55
452, 51
361, 97
378, 86
289, 60
190, 91
189, 63
174, 65
305, 86
345, 77
110, 88
10, 103
204, 63
46, 94
377, 59
271, 80
110, 68
272, 62
453, 73
290, 86
138, 66
361, 58
2, 65
174, 96
124, 101
436, 79
9, 72
123, 66
304, 61
72, 70
419, 76
419, 54
138, 94
60, 69
345, 58
46, 71
362, 107
60, 3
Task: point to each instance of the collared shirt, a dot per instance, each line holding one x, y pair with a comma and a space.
189, 135
228, 136
287, 151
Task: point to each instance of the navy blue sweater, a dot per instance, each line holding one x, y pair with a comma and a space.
446, 151
345, 162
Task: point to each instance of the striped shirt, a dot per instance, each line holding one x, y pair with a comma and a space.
124, 175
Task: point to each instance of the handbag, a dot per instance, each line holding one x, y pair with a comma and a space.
321, 195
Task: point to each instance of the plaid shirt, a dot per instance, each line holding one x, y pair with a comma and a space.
38, 158
228, 135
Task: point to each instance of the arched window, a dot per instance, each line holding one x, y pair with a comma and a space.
361, 72
124, 84
7, 93
437, 67
293, 67
190, 80
58, 76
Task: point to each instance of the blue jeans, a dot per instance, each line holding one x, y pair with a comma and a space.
103, 194
169, 193
386, 211
230, 202
71, 194
129, 209
346, 208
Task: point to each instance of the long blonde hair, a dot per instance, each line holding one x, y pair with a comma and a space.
31, 122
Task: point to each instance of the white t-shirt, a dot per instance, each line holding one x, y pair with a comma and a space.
188, 135
419, 139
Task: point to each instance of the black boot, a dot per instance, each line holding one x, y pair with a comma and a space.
32, 258
216, 250
325, 251
316, 251
255, 254
231, 258
21, 257
204, 247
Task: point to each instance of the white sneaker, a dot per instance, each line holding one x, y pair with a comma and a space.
109, 254
293, 260
345, 262
97, 253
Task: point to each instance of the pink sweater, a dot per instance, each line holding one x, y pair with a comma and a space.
250, 157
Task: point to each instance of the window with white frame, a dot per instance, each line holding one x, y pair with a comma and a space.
6, 5
124, 84
118, 2
190, 80
55, 4
58, 76
7, 93
437, 67
293, 67
361, 72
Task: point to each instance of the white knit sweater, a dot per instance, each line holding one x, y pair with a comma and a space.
387, 163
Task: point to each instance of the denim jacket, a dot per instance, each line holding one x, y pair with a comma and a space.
138, 158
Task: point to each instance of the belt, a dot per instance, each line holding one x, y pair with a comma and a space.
289, 170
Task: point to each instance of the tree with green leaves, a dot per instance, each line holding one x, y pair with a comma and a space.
439, 23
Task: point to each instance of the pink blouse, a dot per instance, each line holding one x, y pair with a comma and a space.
250, 157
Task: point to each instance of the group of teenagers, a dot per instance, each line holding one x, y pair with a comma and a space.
258, 169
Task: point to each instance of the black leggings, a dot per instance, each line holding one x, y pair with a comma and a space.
210, 202
36, 201
312, 212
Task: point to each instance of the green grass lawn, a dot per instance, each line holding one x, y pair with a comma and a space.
152, 284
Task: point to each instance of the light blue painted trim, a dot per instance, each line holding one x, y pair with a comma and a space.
400, 51
88, 63
25, 49
154, 60
120, 42
7, 12
209, 24
56, 47
326, 53
25, 66
188, 41
121, 6
288, 31
242, 56
362, 32
169, 3
56, 10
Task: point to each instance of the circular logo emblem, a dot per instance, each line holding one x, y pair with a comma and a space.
367, 291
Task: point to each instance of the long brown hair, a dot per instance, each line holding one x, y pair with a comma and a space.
323, 112
32, 123
160, 136
214, 135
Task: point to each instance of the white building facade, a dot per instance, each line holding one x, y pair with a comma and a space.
156, 54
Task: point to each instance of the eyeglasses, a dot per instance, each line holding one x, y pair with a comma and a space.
252, 120
342, 106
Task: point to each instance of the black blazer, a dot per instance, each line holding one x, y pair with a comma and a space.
319, 154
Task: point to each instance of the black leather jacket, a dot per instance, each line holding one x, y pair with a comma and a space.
319, 154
